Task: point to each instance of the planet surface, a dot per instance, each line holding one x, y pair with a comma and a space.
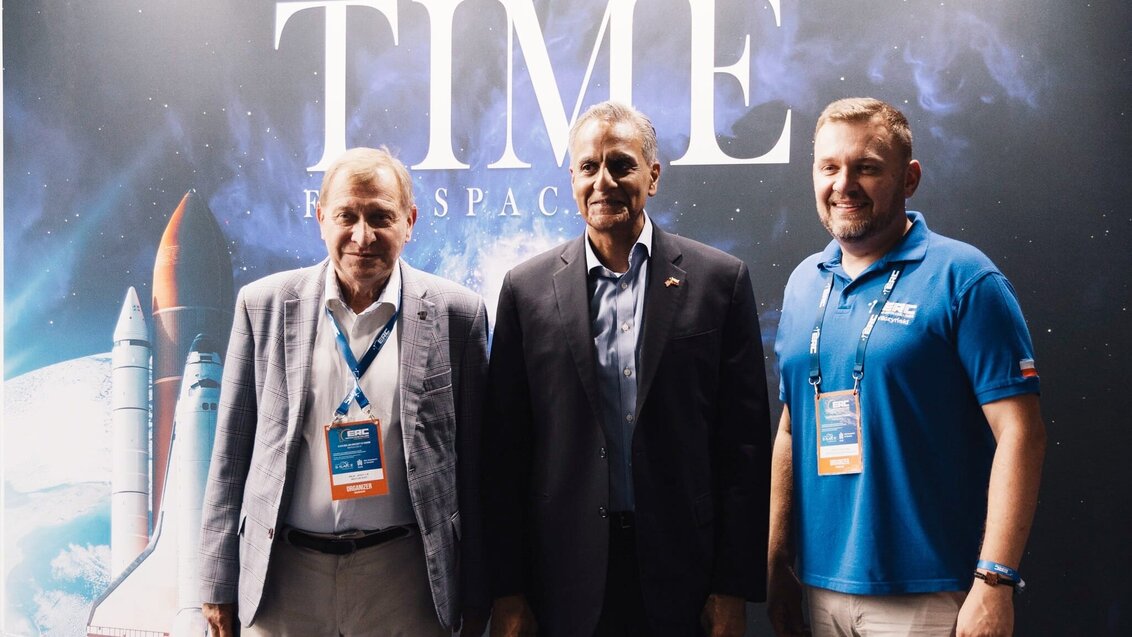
56, 512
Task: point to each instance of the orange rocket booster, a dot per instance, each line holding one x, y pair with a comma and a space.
192, 294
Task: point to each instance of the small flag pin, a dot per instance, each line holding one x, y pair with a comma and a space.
671, 282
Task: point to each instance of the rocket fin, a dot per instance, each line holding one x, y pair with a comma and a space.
143, 599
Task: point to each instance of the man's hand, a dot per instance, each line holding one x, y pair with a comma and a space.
724, 616
473, 622
784, 601
988, 611
511, 616
221, 619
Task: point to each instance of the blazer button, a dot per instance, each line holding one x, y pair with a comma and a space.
603, 512
412, 468
602, 452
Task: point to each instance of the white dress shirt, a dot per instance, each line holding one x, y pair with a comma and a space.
312, 508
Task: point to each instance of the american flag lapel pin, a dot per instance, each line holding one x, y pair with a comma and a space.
671, 282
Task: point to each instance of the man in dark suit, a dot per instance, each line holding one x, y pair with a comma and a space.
627, 442
294, 539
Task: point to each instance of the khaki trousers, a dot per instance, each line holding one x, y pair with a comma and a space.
381, 591
834, 614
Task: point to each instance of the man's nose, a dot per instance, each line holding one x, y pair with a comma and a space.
604, 179
844, 182
363, 234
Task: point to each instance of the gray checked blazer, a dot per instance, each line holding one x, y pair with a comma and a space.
262, 400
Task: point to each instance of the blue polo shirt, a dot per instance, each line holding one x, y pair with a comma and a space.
951, 339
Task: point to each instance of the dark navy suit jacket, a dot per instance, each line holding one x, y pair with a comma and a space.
700, 449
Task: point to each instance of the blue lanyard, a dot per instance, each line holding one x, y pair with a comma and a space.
874, 314
358, 368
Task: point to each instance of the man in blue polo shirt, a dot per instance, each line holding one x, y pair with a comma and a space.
907, 462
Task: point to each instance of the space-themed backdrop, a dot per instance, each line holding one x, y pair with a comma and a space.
176, 148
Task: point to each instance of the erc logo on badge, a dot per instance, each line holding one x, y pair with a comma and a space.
353, 435
898, 313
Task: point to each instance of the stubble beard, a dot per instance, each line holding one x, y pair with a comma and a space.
847, 230
854, 230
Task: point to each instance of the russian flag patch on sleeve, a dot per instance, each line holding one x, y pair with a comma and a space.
1029, 370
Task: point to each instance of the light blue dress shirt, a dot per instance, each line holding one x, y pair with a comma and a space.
617, 306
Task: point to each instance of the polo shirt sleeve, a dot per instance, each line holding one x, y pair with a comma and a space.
992, 340
786, 342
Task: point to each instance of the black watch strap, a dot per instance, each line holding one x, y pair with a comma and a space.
994, 579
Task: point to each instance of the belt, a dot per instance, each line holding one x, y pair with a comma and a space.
345, 544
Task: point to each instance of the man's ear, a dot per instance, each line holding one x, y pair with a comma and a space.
912, 176
318, 216
411, 220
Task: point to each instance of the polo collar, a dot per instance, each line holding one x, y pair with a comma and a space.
913, 246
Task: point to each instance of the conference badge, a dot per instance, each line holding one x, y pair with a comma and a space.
356, 459
839, 432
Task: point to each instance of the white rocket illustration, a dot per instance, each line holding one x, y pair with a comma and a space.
129, 483
165, 386
162, 583
193, 431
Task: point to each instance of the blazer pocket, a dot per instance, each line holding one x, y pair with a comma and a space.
691, 360
703, 333
437, 381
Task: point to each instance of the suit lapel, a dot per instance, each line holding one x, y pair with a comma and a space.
418, 336
664, 296
571, 293
300, 322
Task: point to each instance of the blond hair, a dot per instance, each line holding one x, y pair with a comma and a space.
362, 165
865, 109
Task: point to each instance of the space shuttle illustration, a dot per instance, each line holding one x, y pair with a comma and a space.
162, 431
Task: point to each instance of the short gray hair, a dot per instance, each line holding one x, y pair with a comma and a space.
616, 112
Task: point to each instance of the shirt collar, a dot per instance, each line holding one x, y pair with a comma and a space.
332, 291
913, 246
644, 240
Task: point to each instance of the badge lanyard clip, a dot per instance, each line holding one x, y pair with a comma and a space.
359, 368
874, 314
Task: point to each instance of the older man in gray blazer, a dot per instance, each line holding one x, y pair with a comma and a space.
342, 496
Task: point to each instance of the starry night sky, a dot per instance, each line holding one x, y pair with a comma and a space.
113, 110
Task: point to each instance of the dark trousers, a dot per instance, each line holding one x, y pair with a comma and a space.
623, 609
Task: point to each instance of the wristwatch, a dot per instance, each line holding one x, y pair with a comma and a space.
994, 579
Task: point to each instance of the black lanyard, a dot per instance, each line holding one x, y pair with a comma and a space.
874, 314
